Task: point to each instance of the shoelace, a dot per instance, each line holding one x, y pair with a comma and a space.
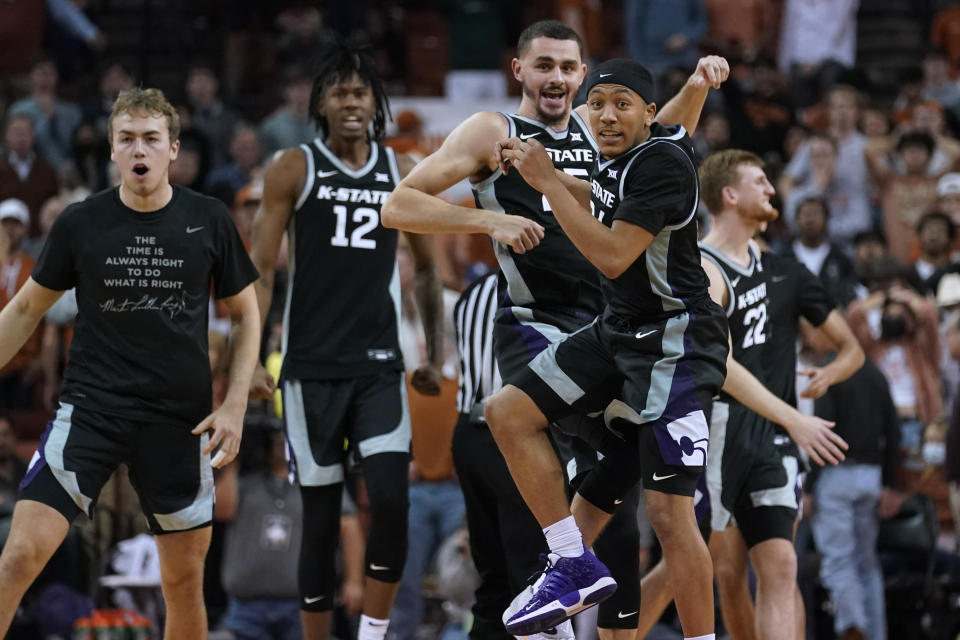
554, 584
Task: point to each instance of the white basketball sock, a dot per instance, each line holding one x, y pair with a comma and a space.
709, 636
372, 628
564, 538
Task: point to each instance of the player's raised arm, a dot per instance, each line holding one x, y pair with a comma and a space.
685, 107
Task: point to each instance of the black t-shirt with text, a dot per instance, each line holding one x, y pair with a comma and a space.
143, 282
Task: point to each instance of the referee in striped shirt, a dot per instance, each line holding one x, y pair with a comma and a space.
505, 538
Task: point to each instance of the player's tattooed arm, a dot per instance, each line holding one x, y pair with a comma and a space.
427, 378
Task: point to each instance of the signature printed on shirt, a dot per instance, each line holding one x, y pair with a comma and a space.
174, 304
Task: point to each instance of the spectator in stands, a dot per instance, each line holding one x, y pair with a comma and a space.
817, 43
945, 33
91, 155
760, 114
937, 83
209, 114
713, 134
226, 179
744, 34
15, 391
24, 175
48, 213
929, 477
302, 34
114, 78
843, 107
192, 165
928, 116
12, 467
290, 124
936, 233
827, 179
259, 568
664, 39
899, 331
906, 194
823, 258
948, 196
847, 500
54, 120
869, 251
245, 206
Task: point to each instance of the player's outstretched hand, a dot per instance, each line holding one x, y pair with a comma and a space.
712, 71
262, 384
530, 158
820, 381
815, 436
226, 426
427, 380
521, 234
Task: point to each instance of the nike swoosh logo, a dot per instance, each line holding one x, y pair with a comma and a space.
524, 136
326, 174
657, 478
735, 282
312, 600
778, 278
193, 229
640, 336
618, 501
377, 567
621, 614
604, 75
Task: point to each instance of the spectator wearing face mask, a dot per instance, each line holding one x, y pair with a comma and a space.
930, 479
899, 331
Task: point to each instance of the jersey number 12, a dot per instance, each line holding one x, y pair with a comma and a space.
365, 217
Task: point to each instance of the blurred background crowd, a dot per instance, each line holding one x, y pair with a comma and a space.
854, 106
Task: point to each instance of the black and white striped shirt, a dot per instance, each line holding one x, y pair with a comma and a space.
473, 317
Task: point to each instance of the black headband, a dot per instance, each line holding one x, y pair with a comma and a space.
626, 72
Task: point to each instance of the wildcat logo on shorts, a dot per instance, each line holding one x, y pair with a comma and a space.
690, 434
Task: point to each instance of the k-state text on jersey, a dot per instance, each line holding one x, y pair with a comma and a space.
344, 194
570, 155
752, 296
601, 194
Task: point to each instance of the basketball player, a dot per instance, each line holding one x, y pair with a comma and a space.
754, 459
143, 257
342, 371
552, 290
659, 336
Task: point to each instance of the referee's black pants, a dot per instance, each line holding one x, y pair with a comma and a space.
505, 538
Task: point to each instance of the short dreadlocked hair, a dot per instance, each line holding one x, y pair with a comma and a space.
338, 63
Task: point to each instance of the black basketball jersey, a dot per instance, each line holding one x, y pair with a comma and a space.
554, 275
654, 186
143, 282
343, 299
794, 293
748, 309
